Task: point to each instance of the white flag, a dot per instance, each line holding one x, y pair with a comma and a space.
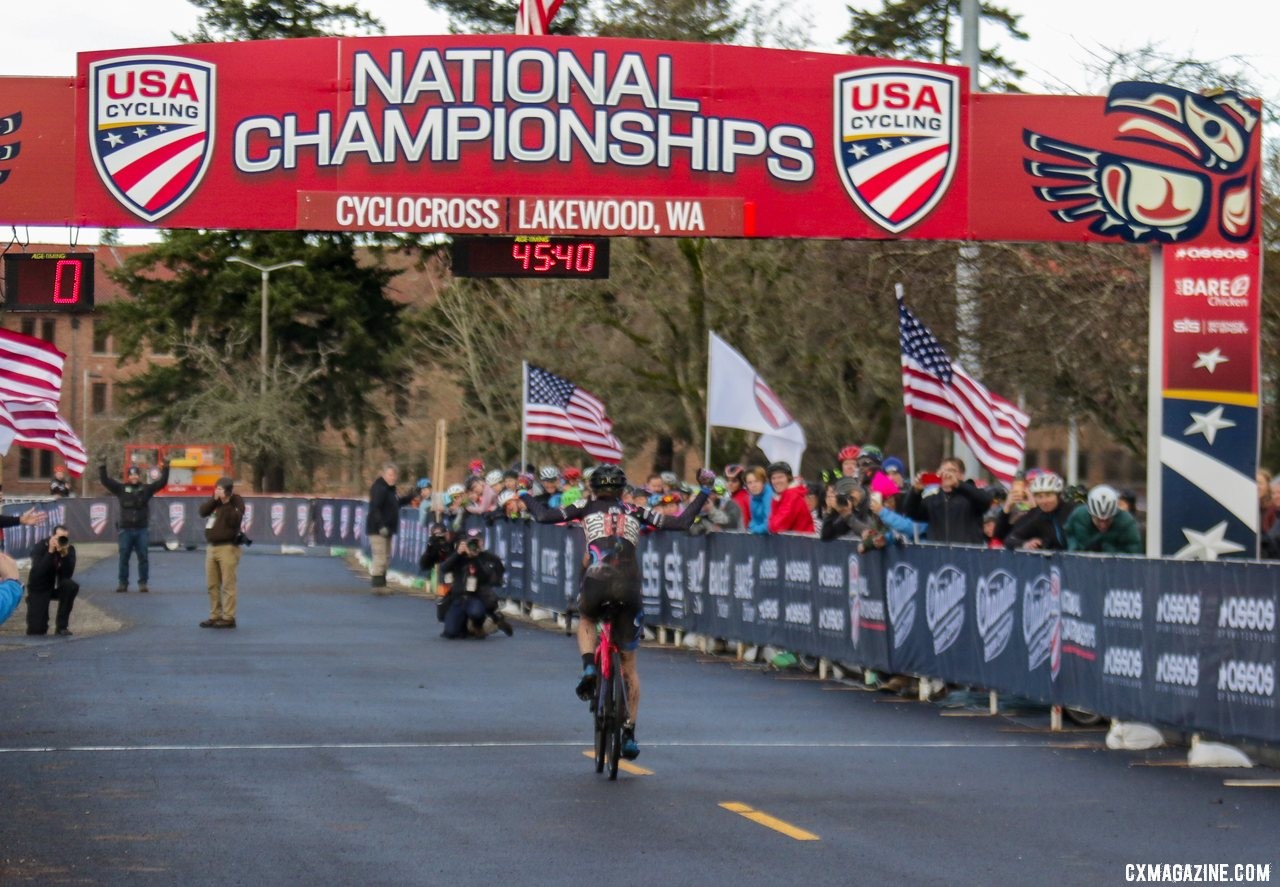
738, 398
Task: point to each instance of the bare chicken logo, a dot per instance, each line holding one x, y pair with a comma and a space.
1146, 201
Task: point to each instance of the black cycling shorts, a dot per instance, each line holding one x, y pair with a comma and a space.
604, 584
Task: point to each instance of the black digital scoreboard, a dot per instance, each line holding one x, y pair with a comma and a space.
564, 258
51, 282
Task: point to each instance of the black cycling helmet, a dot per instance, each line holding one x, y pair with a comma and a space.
608, 477
776, 467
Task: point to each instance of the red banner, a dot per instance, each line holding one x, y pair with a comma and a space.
37, 158
618, 137
1212, 312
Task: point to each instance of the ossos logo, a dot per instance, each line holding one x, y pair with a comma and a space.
830, 576
1178, 609
1258, 614
831, 619
1122, 603
768, 568
1254, 678
797, 571
799, 613
1215, 252
1122, 662
768, 610
1178, 669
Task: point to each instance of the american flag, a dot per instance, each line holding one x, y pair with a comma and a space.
30, 368
939, 391
534, 16
557, 411
30, 388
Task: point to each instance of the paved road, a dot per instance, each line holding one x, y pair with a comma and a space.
334, 738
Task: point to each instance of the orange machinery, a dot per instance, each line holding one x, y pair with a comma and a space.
193, 468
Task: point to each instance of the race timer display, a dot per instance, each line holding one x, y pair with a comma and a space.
61, 282
583, 258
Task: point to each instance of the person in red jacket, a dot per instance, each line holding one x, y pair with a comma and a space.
790, 512
736, 480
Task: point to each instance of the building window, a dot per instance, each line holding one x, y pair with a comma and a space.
98, 401
101, 341
46, 330
1082, 467
1054, 460
28, 326
34, 464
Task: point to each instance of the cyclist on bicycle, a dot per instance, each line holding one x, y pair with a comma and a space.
612, 527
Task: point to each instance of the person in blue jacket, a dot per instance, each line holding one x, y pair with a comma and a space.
761, 494
10, 587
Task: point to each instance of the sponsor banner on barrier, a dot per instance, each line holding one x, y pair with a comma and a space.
1188, 645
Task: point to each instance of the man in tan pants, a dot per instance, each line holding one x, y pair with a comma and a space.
383, 522
223, 514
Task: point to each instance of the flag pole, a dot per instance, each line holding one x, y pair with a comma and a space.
900, 293
524, 411
706, 407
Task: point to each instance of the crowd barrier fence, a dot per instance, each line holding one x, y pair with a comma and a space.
1188, 645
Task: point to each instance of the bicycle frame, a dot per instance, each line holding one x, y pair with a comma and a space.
609, 708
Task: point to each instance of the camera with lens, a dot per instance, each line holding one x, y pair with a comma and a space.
242, 539
473, 545
62, 540
843, 500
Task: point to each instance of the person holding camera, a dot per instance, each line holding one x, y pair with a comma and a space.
471, 574
53, 562
222, 513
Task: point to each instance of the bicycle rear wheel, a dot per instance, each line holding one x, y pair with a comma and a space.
617, 712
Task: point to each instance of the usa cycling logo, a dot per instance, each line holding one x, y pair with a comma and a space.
897, 141
151, 129
1140, 199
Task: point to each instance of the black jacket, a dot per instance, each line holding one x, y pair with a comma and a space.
384, 508
49, 569
954, 517
135, 499
483, 572
1050, 527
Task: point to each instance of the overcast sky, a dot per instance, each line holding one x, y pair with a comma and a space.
42, 38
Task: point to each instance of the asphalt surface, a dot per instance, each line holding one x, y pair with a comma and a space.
335, 738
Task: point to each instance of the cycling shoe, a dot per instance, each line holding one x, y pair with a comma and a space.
630, 748
586, 688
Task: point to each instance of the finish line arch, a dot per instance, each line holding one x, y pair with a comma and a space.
596, 136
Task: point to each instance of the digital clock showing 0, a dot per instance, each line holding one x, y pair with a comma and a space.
54, 282
582, 258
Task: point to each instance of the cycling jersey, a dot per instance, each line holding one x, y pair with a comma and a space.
612, 528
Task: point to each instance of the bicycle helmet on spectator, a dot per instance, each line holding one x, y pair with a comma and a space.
571, 474
849, 452
870, 455
455, 490
493, 478
549, 472
1046, 482
779, 468
1103, 501
424, 482
475, 466
608, 477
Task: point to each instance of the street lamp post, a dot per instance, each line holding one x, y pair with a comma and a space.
265, 271
84, 426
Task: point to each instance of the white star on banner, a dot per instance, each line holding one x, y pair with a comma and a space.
1209, 360
1208, 424
1206, 546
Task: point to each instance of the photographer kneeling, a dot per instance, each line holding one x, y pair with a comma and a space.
53, 562
472, 574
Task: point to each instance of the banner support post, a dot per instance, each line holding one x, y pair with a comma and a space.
524, 411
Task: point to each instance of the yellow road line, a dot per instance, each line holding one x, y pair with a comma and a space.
768, 821
624, 766
1252, 783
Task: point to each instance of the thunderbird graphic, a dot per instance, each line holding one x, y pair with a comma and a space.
1145, 201
151, 129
